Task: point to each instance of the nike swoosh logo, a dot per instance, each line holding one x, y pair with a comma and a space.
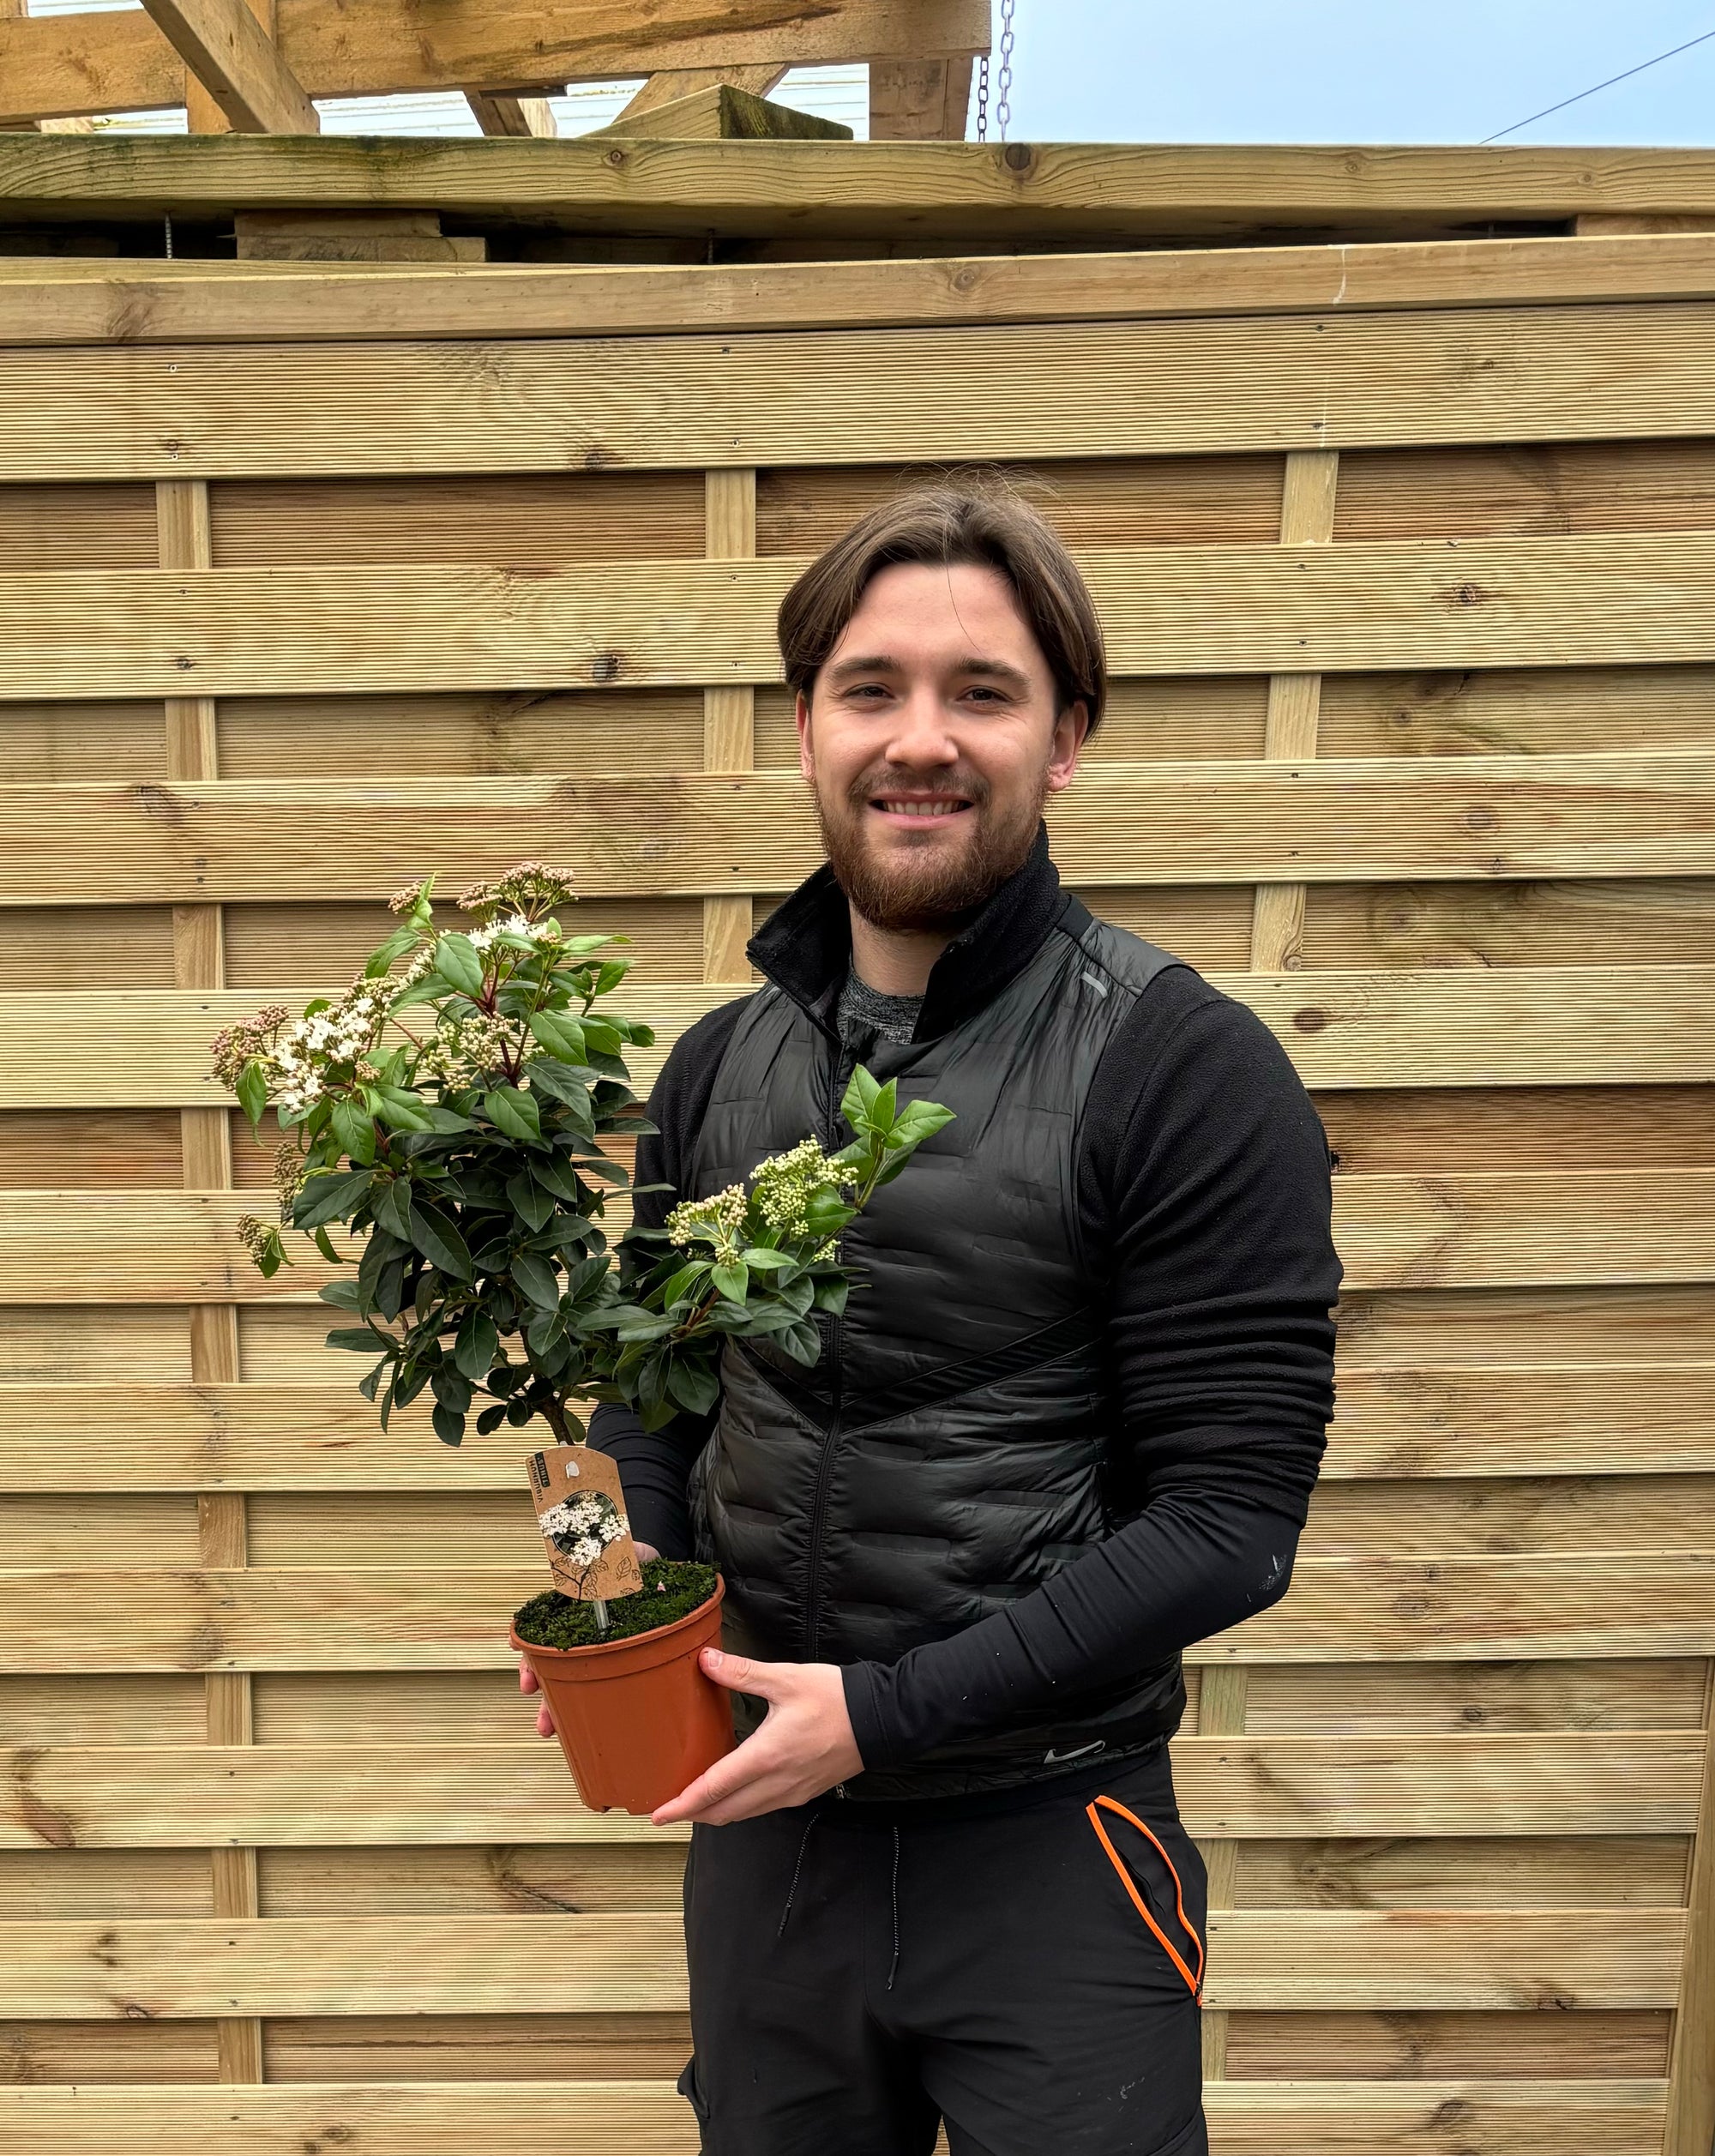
1057, 1759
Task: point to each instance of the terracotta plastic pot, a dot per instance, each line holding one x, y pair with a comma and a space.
637, 1718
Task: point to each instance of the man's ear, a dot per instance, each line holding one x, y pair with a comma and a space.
806, 753
1071, 729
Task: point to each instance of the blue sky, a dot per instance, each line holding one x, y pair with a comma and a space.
1357, 70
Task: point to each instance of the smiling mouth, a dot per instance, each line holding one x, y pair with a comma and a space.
939, 805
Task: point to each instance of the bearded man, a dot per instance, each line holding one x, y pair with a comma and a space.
1067, 1425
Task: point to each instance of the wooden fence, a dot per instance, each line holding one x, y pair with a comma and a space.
1407, 553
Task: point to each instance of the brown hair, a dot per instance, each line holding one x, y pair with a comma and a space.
982, 523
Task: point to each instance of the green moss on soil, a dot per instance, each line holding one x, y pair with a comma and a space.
670, 1590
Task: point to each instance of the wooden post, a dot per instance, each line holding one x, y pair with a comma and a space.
495, 113
920, 100
183, 540
729, 716
1276, 936
667, 87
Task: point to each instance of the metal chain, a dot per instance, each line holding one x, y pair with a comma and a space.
982, 97
1003, 110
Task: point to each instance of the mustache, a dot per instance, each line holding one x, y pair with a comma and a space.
882, 778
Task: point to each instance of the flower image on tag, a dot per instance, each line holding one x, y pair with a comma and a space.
581, 1509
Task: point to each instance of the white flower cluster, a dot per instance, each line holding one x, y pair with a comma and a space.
718, 1219
785, 1183
581, 1528
340, 1035
466, 1052
516, 924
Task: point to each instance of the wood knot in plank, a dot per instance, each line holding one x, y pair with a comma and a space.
34, 1816
327, 2137
606, 667
1310, 1020
1018, 157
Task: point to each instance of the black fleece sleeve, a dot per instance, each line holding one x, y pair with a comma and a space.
1205, 1193
655, 1466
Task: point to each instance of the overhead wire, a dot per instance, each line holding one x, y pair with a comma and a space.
1625, 76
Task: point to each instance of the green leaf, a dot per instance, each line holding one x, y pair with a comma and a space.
343, 1295
556, 1176
560, 1034
885, 1106
581, 946
733, 1281
252, 1091
450, 1424
430, 988
399, 1107
825, 1215
801, 1341
476, 1347
831, 1296
329, 1197
272, 1255
921, 1119
603, 1040
452, 1388
694, 1385
440, 1242
764, 1261
391, 1205
491, 1419
860, 1098
354, 1128
513, 1113
539, 1282
383, 955
458, 959
528, 1200
327, 1249
356, 1337
683, 1282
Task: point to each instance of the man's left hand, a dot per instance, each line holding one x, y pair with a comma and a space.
804, 1746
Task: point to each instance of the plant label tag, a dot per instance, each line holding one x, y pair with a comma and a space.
581, 1509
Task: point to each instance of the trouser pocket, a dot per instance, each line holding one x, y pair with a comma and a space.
1173, 1929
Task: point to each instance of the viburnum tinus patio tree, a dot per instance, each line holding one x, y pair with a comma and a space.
447, 1111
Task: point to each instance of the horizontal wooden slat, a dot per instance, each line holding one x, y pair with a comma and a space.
352, 1796
512, 2118
107, 301
1443, 1027
857, 396
1636, 597
347, 1617
65, 65
1512, 1959
1470, 817
937, 186
64, 1247
1499, 1419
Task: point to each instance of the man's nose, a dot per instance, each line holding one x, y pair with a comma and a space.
921, 736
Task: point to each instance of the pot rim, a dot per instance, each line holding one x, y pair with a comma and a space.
631, 1639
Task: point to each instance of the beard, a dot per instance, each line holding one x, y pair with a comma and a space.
907, 887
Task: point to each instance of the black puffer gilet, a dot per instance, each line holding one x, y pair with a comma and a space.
946, 1454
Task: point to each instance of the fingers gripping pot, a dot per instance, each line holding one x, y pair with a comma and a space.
636, 1718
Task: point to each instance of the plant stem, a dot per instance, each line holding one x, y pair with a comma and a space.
600, 1609
554, 1414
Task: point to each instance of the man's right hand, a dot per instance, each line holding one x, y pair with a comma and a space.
526, 1677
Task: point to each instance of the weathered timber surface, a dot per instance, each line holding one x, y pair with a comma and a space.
73, 300
862, 396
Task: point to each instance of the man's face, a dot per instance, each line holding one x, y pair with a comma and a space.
930, 744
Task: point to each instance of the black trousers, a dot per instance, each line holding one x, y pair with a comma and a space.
1026, 1973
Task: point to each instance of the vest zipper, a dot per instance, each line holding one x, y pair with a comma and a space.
824, 1471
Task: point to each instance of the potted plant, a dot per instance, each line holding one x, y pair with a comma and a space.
446, 1113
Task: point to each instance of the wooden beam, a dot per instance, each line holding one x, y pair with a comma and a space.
229, 53
920, 100
1499, 1229
672, 84
941, 190
1583, 1606
1606, 599
120, 301
498, 113
724, 112
60, 64
1481, 1422
1505, 2117
698, 835
910, 395
356, 1796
